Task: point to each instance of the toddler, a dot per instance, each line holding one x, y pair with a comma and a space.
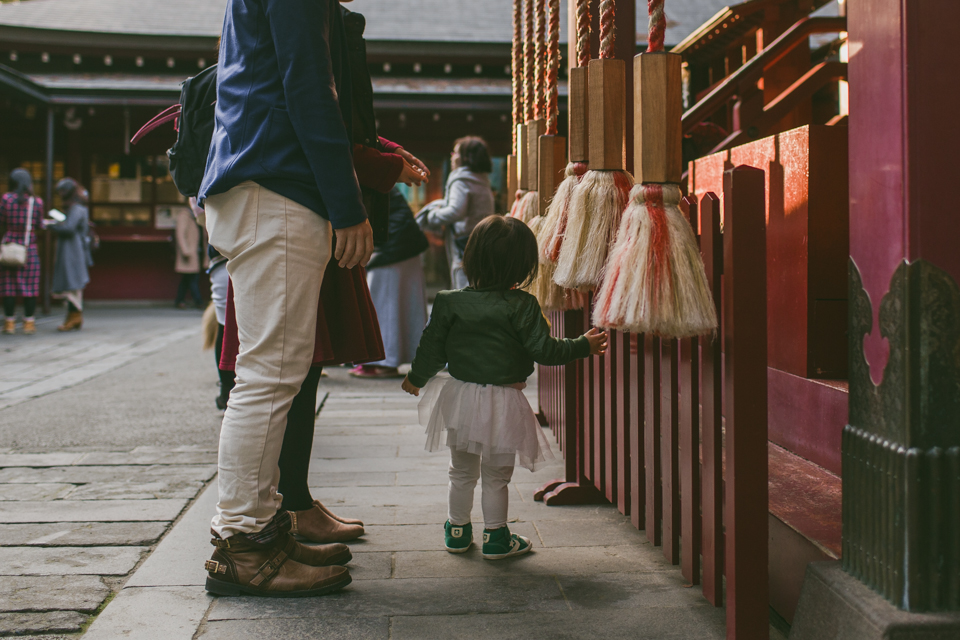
489, 335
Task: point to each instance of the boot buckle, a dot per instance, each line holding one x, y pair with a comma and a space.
220, 543
214, 567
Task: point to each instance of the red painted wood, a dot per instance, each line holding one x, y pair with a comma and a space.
690, 521
745, 403
711, 247
669, 449
586, 417
611, 389
624, 408
638, 478
598, 388
651, 439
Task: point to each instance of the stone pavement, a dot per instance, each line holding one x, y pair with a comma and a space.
90, 478
590, 574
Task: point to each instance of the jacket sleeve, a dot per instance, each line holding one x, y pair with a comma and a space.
455, 208
542, 347
301, 34
376, 170
72, 224
432, 352
389, 147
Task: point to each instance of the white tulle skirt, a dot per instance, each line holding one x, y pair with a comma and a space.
482, 419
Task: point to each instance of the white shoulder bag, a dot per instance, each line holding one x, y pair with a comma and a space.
13, 254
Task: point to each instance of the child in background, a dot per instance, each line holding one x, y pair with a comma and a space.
489, 334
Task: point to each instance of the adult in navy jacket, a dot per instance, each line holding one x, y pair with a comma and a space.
279, 182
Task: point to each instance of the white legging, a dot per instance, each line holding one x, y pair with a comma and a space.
496, 471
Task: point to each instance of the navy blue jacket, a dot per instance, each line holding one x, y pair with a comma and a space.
283, 116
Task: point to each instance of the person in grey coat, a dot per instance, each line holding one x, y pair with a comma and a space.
70, 274
468, 200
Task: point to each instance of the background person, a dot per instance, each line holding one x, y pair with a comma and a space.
468, 199
187, 238
16, 208
70, 275
398, 288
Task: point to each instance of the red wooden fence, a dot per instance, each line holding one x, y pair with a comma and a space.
674, 432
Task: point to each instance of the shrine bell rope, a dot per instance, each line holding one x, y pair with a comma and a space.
517, 69
655, 280
602, 194
526, 206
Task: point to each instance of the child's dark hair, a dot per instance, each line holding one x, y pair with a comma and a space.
474, 154
501, 254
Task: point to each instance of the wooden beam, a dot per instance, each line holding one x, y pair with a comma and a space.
658, 104
607, 114
552, 156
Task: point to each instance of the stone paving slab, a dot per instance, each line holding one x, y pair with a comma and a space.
702, 623
83, 510
39, 459
45, 561
149, 457
352, 479
167, 613
51, 593
48, 622
81, 534
329, 628
352, 452
445, 596
170, 489
77, 474
35, 491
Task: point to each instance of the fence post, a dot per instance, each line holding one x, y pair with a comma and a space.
651, 438
745, 406
690, 441
669, 449
711, 246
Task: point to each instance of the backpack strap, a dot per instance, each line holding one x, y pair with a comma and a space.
170, 113
26, 235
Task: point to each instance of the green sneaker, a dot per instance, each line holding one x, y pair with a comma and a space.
457, 538
500, 543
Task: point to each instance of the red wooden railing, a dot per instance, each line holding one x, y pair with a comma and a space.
657, 428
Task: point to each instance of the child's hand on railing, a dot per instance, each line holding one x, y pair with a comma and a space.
597, 340
409, 388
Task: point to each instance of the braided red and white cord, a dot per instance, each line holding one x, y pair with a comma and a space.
516, 64
553, 67
583, 32
656, 27
540, 11
608, 29
528, 61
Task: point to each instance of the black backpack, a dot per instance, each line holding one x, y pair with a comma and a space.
193, 120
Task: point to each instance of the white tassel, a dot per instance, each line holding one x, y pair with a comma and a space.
592, 222
555, 224
527, 208
656, 282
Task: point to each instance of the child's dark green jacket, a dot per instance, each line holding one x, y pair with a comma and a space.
489, 337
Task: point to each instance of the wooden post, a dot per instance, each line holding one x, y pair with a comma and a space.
711, 247
651, 438
611, 392
552, 156
523, 159
657, 154
535, 129
745, 406
579, 109
638, 480
607, 114
669, 450
690, 441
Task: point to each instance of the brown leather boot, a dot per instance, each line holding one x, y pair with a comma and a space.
29, 327
317, 526
73, 322
240, 566
9, 326
323, 555
317, 503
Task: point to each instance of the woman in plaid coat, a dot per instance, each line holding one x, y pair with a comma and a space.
23, 281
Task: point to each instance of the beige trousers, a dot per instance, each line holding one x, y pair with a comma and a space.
277, 251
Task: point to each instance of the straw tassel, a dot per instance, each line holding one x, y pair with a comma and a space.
592, 222
527, 207
555, 221
656, 281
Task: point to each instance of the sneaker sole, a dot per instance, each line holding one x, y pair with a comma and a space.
459, 549
220, 588
501, 556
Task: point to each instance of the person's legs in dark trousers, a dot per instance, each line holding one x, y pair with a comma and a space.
9, 306
298, 445
182, 289
71, 308
29, 307
227, 377
194, 284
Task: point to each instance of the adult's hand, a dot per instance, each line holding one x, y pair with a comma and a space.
411, 175
354, 245
412, 159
